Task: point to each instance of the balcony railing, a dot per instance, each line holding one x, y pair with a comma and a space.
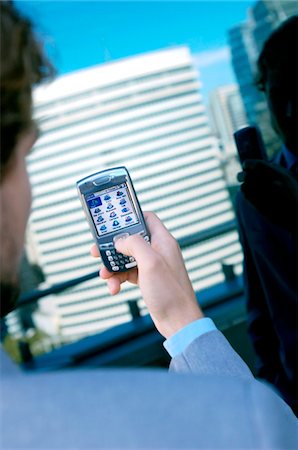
137, 343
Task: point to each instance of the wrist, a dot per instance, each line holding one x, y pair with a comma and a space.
179, 342
175, 322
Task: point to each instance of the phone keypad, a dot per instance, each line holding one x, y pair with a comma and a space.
118, 261
115, 261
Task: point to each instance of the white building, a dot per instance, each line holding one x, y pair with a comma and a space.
227, 115
146, 113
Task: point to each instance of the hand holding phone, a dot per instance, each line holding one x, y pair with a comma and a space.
112, 211
161, 276
273, 190
250, 144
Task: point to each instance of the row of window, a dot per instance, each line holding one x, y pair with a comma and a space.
107, 102
100, 112
83, 149
141, 191
44, 156
111, 87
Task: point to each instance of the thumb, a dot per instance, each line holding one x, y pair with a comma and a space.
134, 246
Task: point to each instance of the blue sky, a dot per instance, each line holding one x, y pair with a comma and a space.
80, 34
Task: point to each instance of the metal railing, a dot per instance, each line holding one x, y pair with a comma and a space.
185, 242
118, 343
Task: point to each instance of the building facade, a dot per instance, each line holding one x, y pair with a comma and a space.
227, 115
146, 113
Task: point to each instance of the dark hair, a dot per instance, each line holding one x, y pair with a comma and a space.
23, 65
279, 55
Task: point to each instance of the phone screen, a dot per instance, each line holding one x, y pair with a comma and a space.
112, 209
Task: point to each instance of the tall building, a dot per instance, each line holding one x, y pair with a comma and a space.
227, 115
267, 15
146, 113
246, 41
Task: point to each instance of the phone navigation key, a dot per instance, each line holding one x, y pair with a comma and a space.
130, 265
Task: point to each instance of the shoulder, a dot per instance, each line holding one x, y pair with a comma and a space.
140, 409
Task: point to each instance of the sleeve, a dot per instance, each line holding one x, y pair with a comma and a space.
180, 340
210, 354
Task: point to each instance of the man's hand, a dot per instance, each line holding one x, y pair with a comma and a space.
273, 191
161, 276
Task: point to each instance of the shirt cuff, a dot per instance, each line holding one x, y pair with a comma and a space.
177, 343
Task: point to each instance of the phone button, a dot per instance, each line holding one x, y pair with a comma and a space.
102, 180
106, 246
146, 238
112, 263
130, 265
108, 253
115, 268
110, 258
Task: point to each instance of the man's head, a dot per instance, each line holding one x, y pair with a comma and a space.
22, 66
277, 77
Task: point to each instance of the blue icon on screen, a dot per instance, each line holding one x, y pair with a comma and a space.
100, 219
94, 202
110, 206
115, 223
97, 210
107, 197
128, 219
119, 193
113, 214
122, 201
103, 228
125, 210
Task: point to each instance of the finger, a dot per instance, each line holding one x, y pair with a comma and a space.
135, 246
114, 285
154, 224
114, 281
263, 169
94, 251
241, 177
105, 274
251, 190
250, 164
160, 235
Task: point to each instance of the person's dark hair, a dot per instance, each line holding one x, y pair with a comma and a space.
279, 55
23, 65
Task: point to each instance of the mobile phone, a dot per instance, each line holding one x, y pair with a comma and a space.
113, 211
249, 143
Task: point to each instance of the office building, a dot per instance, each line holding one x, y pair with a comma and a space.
227, 115
144, 112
